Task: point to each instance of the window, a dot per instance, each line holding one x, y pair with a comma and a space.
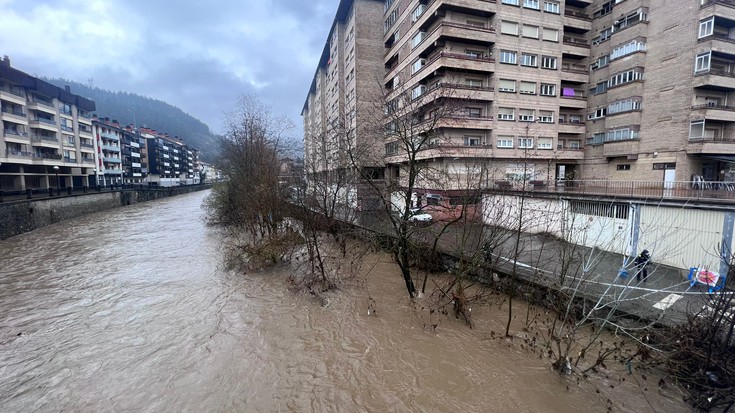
505, 141
507, 27
528, 88
390, 21
621, 134
625, 77
696, 130
472, 140
507, 56
627, 49
475, 54
551, 7
417, 39
65, 108
476, 23
529, 60
525, 143
530, 31
596, 139
702, 63
70, 139
706, 27
546, 116
551, 35
417, 12
599, 88
526, 115
574, 145
626, 105
418, 91
418, 65
531, 4
506, 114
471, 82
545, 143
474, 112
506, 85
548, 62
396, 81
601, 62
606, 9
597, 114
512, 2
547, 89
623, 167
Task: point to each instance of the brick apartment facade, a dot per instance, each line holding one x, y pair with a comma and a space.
578, 89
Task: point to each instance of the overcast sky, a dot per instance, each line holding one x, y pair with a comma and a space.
198, 55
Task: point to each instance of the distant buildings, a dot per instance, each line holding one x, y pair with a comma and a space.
50, 139
554, 90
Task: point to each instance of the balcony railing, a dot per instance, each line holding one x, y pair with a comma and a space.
42, 138
44, 155
638, 189
45, 120
42, 103
717, 72
16, 112
18, 154
12, 92
574, 68
576, 41
15, 132
577, 14
706, 3
714, 106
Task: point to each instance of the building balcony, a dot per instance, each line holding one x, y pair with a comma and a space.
39, 105
436, 9
110, 136
14, 115
572, 127
11, 135
465, 122
574, 45
85, 133
573, 98
135, 164
457, 32
45, 141
712, 145
715, 78
13, 96
569, 154
11, 153
113, 148
721, 8
445, 151
43, 123
84, 118
44, 156
111, 159
626, 148
88, 161
458, 61
113, 172
715, 112
577, 19
135, 144
574, 72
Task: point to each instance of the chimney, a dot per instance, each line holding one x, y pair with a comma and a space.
5, 61
115, 123
67, 88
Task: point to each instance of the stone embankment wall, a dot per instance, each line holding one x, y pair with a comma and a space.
18, 217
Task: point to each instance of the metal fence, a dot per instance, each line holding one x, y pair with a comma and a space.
687, 190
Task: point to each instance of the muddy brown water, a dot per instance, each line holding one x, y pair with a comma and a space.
130, 310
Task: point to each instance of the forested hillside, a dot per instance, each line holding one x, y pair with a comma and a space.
129, 108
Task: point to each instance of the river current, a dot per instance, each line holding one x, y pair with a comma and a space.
131, 310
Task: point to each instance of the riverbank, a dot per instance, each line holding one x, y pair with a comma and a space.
23, 215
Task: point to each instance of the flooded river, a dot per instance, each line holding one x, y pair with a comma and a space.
130, 310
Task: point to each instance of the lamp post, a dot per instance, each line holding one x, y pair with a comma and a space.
58, 189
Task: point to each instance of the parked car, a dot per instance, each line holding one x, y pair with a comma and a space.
417, 216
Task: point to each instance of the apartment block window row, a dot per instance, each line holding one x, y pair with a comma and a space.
625, 77
628, 48
622, 106
631, 19
606, 8
418, 12
525, 115
529, 31
391, 20
622, 134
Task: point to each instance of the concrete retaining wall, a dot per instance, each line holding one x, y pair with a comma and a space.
17, 217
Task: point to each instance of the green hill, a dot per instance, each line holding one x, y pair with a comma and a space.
151, 113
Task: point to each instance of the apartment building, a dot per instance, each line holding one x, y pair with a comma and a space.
554, 90
170, 161
339, 113
47, 139
108, 146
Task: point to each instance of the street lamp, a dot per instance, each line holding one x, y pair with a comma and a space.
58, 189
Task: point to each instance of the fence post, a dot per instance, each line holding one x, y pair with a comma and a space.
1, 196
51, 192
29, 193
68, 190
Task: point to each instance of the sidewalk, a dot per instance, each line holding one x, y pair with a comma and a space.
666, 297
